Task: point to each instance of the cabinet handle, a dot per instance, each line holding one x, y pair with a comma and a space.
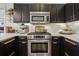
23, 42
66, 54
54, 42
71, 42
55, 38
9, 41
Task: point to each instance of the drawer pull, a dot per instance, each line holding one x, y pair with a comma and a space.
23, 42
54, 42
9, 41
71, 42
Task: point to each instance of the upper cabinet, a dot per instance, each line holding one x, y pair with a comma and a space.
17, 13
57, 13
39, 7
76, 11
34, 7
60, 13
44, 7
21, 13
69, 12
53, 13
25, 13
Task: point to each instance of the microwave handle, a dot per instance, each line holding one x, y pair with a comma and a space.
48, 18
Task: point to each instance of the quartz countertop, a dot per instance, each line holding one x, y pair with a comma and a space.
5, 36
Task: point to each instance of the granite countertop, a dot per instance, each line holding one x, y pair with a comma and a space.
5, 36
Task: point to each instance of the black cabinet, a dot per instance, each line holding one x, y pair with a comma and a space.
71, 48
39, 7
53, 14
34, 7
17, 13
21, 13
21, 46
25, 13
69, 12
57, 13
44, 7
76, 11
7, 47
57, 46
60, 13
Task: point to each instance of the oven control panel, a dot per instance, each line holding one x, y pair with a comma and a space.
39, 36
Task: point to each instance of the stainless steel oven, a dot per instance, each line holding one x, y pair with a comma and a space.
39, 48
39, 44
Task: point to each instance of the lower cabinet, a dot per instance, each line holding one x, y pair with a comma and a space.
7, 47
21, 46
71, 48
57, 46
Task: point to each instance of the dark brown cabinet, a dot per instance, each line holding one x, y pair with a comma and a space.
53, 13
76, 11
60, 13
71, 47
69, 12
7, 47
25, 13
57, 13
21, 13
57, 46
44, 7
21, 49
34, 7
17, 13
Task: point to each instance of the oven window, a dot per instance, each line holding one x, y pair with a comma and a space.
39, 47
38, 18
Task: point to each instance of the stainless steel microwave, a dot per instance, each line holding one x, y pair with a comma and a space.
39, 17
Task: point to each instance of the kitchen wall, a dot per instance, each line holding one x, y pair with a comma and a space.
52, 27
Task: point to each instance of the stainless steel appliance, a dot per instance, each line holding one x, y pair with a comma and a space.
39, 17
39, 44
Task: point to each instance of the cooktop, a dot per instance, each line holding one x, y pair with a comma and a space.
39, 33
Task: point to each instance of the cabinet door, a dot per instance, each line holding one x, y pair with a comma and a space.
25, 13
17, 13
76, 11
22, 48
60, 13
34, 7
52, 13
44, 7
69, 12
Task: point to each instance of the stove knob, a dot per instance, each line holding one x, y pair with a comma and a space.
30, 37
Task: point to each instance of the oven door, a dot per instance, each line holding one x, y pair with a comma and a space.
39, 48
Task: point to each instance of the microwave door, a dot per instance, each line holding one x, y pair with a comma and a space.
37, 19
